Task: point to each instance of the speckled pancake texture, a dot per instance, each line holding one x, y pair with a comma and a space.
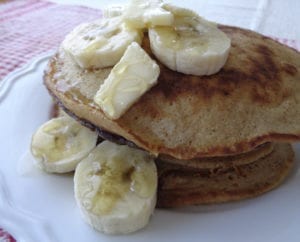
182, 186
254, 99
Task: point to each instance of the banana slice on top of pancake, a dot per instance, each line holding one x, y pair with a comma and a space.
179, 38
141, 14
113, 11
115, 188
191, 45
101, 43
61, 143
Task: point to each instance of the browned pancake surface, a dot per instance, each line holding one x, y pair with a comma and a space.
179, 186
221, 162
254, 99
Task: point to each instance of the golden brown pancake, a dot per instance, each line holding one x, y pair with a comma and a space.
181, 186
219, 179
56, 111
254, 99
204, 162
220, 162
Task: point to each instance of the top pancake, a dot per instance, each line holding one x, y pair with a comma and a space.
254, 99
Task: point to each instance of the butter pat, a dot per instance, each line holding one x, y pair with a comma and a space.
142, 14
129, 79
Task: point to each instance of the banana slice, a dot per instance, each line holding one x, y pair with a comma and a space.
129, 79
113, 11
101, 43
115, 188
140, 14
192, 45
61, 143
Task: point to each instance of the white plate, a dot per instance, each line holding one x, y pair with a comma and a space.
35, 206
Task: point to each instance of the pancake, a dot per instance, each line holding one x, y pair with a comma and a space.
254, 99
219, 179
221, 162
180, 186
205, 162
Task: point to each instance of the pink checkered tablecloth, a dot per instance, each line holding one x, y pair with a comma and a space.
29, 28
5, 236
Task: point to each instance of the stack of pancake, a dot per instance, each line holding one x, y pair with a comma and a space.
217, 138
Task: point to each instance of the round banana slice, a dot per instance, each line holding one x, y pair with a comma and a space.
115, 188
101, 43
61, 143
192, 45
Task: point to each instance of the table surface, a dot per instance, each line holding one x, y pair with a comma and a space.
276, 18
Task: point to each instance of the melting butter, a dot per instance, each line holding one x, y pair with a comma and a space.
129, 79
